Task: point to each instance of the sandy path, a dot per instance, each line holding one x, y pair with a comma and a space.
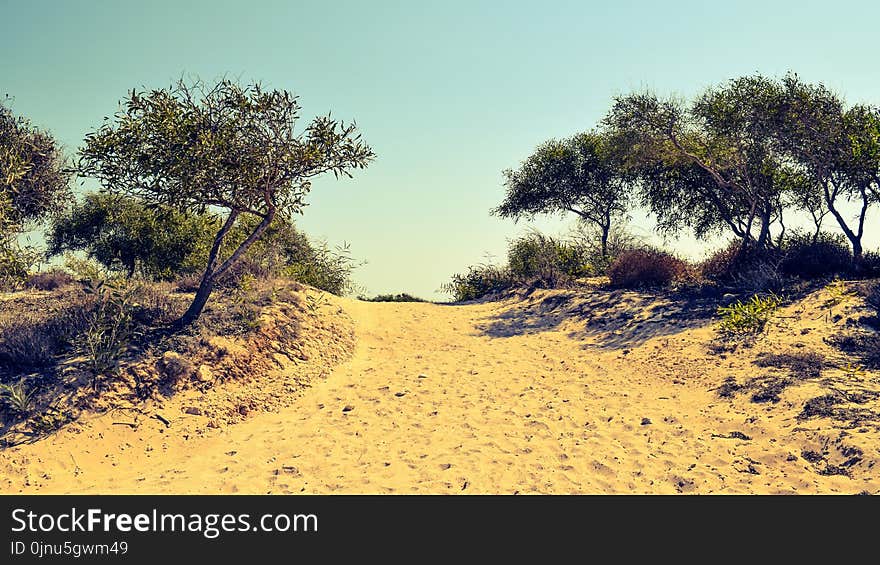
439, 399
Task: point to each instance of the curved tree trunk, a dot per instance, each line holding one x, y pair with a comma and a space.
209, 279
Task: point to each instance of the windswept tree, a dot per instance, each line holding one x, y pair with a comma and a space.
710, 165
227, 148
33, 177
836, 148
580, 175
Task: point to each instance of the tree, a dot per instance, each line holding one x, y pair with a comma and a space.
229, 148
837, 148
581, 174
708, 165
33, 177
122, 233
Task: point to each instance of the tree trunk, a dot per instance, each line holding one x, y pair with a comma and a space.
198, 304
211, 274
605, 230
854, 238
764, 234
209, 277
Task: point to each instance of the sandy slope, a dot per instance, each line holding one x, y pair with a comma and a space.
550, 394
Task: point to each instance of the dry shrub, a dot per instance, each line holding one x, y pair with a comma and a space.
749, 269
156, 305
647, 268
31, 335
50, 280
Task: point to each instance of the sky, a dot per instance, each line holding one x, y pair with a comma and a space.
447, 93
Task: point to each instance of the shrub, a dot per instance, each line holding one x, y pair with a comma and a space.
587, 239
479, 281
154, 304
749, 269
50, 280
401, 297
15, 264
646, 267
284, 251
749, 317
110, 327
124, 234
32, 336
869, 265
804, 257
18, 397
325, 269
544, 260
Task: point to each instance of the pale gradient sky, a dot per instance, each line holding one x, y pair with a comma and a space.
447, 93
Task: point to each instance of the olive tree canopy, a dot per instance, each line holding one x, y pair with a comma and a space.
224, 147
33, 177
580, 175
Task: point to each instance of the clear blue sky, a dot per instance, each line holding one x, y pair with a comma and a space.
448, 93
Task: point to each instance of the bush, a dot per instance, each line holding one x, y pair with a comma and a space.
17, 397
32, 335
479, 281
284, 251
588, 240
109, 329
869, 265
804, 257
541, 259
747, 269
749, 317
646, 267
402, 297
50, 280
123, 234
15, 264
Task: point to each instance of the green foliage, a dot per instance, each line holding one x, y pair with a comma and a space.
224, 146
33, 179
582, 174
285, 251
16, 261
818, 255
541, 259
646, 267
18, 397
110, 327
400, 297
749, 317
123, 234
315, 301
709, 165
477, 282
838, 292
596, 256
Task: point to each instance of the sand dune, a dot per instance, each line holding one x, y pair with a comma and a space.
555, 392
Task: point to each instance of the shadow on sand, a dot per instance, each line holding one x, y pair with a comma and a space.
613, 319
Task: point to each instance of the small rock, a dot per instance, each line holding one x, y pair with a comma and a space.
204, 374
399, 394
348, 408
291, 470
423, 376
170, 357
193, 410
646, 421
